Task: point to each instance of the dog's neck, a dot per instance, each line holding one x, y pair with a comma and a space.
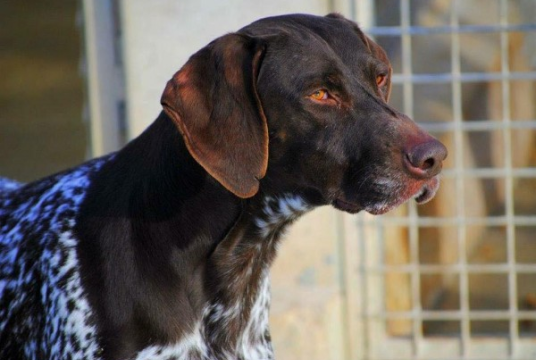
208, 251
238, 312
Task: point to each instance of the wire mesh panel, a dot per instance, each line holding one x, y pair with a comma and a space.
455, 278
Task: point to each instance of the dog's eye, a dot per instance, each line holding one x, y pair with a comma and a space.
381, 79
319, 95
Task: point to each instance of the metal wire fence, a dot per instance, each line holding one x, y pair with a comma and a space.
457, 278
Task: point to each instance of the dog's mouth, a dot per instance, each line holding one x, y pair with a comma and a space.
421, 193
346, 206
427, 191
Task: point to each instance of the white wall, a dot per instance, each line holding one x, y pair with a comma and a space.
160, 35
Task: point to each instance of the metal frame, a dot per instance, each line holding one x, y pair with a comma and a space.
103, 70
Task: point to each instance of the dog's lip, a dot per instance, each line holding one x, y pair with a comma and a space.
427, 191
344, 205
423, 196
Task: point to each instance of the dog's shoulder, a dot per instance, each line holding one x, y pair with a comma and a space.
45, 200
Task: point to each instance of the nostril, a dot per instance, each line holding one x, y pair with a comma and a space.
418, 160
425, 159
428, 163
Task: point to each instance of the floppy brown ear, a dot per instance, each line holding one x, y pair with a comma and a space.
213, 101
380, 54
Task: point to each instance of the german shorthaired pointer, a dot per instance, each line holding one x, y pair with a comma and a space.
162, 250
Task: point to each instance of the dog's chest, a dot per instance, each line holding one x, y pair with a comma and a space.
223, 333
235, 324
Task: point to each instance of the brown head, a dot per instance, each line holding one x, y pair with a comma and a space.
300, 102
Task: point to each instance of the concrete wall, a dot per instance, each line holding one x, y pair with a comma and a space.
159, 36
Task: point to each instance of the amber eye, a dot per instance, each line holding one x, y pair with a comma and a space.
381, 80
320, 95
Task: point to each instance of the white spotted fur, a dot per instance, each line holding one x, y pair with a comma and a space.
277, 211
57, 263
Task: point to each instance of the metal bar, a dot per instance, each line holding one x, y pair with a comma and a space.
490, 172
492, 315
456, 221
435, 357
478, 125
447, 78
415, 276
104, 79
436, 30
510, 230
342, 275
406, 60
460, 190
499, 268
365, 282
413, 229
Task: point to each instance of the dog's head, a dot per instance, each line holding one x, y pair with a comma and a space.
300, 102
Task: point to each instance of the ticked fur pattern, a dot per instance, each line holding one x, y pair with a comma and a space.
39, 270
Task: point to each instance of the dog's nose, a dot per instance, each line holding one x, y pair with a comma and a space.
425, 160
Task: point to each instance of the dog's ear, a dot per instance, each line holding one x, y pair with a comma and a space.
378, 52
213, 100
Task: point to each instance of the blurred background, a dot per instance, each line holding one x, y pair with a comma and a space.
453, 279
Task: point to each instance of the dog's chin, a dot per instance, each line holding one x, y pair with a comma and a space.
419, 191
346, 206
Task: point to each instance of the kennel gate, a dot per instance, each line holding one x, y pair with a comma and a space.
457, 279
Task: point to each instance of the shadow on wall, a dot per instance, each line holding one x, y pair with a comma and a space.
41, 91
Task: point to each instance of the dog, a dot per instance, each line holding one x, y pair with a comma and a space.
162, 250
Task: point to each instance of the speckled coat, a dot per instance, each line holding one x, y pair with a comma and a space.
44, 313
